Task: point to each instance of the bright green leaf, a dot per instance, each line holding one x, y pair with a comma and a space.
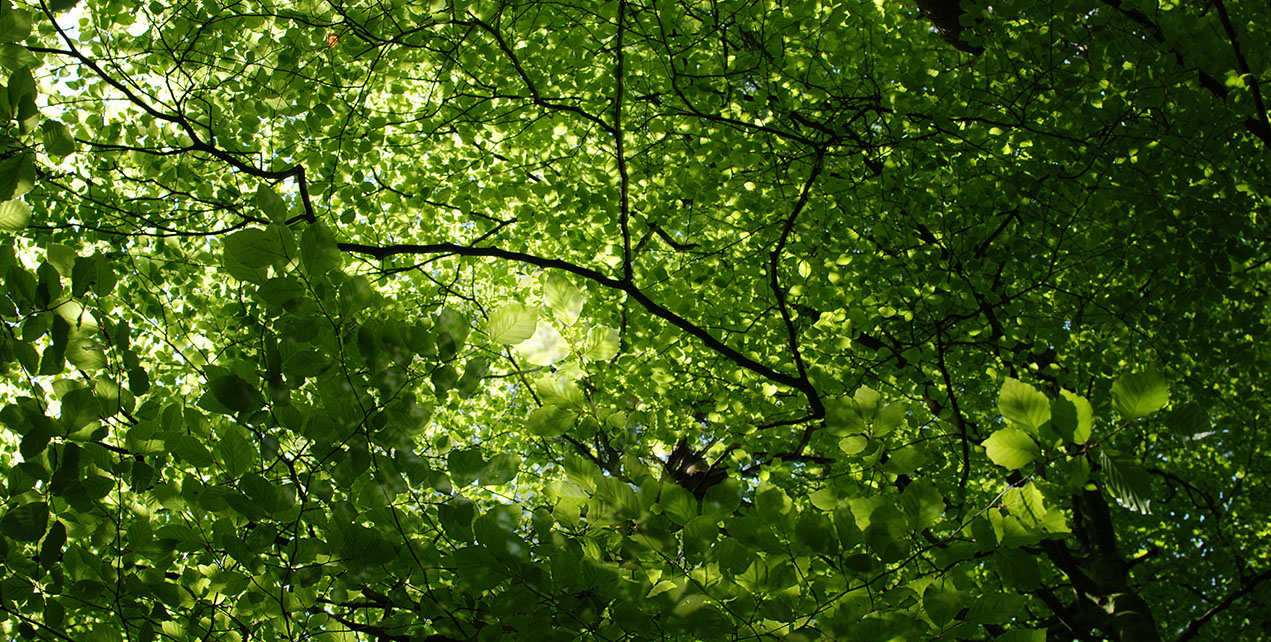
549, 421
14, 216
602, 343
1011, 448
274, 208
512, 324
562, 297
255, 248
1023, 405
1139, 395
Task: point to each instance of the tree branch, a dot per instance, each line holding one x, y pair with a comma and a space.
381, 252
774, 283
1244, 590
624, 204
296, 172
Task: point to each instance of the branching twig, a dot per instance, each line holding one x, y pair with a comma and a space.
636, 294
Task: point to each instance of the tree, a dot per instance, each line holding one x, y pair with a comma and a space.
634, 320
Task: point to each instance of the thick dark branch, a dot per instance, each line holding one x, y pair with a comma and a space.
381, 252
958, 419
1259, 127
1243, 65
669, 240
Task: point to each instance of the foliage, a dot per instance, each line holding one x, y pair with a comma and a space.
634, 320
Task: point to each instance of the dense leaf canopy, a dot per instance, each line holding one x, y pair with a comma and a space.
348, 320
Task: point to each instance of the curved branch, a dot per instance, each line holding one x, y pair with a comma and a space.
525, 77
798, 383
197, 144
1244, 590
792, 335
624, 203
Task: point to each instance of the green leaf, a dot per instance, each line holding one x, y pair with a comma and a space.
512, 324
228, 583
922, 503
236, 453
816, 531
279, 290
853, 444
500, 469
561, 392
14, 216
17, 175
14, 56
1023, 405
1189, 421
1018, 568
454, 332
319, 253
1128, 482
562, 298
26, 523
303, 361
1072, 417
192, 450
58, 6
941, 605
58, 140
773, 502
1025, 503
1023, 634
236, 394
995, 607
475, 369
545, 348
51, 548
270, 203
54, 613
465, 465
677, 503
15, 25
1139, 395
138, 381
602, 343
79, 408
722, 499
1011, 448
444, 379
700, 533
456, 517
254, 248
549, 421
84, 353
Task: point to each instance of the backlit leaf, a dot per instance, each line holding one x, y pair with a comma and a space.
512, 324
1011, 448
14, 216
1023, 405
562, 297
1139, 395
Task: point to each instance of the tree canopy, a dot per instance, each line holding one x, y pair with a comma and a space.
354, 320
